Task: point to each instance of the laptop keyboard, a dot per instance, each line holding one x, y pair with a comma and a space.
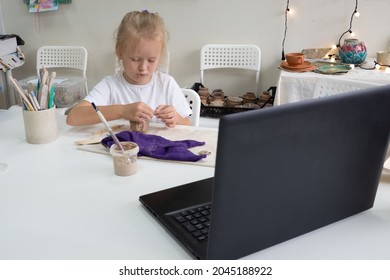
195, 220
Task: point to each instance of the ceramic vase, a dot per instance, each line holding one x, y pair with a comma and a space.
353, 51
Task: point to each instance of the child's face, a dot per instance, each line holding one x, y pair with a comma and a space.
140, 64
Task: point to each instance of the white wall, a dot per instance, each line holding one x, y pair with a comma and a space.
193, 23
1, 20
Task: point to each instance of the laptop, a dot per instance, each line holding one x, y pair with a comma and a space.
281, 172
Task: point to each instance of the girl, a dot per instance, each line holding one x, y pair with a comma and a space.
140, 93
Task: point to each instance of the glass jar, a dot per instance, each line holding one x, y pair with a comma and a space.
353, 51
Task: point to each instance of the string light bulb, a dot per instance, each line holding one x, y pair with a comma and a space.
377, 66
332, 57
356, 13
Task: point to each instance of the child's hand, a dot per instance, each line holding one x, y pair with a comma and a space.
137, 112
167, 114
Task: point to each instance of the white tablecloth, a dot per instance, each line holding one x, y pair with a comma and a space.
297, 86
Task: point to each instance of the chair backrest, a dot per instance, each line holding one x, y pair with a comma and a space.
331, 86
214, 56
73, 57
70, 57
193, 100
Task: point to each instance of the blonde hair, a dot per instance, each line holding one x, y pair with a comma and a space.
141, 25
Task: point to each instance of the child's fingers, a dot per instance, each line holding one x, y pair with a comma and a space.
160, 109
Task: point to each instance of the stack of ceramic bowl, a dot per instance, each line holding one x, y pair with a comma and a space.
233, 101
204, 95
249, 97
217, 98
264, 97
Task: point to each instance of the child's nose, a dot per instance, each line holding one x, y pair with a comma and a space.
142, 65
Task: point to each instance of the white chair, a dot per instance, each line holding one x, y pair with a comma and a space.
218, 56
69, 57
193, 100
330, 86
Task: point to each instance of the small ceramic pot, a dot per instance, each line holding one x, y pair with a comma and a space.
353, 51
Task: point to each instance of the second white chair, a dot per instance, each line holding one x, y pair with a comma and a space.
214, 56
193, 100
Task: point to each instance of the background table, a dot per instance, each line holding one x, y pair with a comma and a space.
57, 202
297, 86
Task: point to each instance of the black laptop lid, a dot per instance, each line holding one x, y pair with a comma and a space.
288, 170
284, 171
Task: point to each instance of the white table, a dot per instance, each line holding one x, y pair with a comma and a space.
297, 86
57, 202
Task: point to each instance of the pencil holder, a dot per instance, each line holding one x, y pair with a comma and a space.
40, 126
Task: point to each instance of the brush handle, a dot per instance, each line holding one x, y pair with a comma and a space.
19, 90
101, 117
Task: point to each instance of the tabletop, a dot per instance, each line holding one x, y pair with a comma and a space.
58, 202
298, 86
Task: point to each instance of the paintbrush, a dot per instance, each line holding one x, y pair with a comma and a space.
20, 90
118, 144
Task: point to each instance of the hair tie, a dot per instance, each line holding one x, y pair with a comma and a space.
146, 11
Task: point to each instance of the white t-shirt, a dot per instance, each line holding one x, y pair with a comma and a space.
161, 90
